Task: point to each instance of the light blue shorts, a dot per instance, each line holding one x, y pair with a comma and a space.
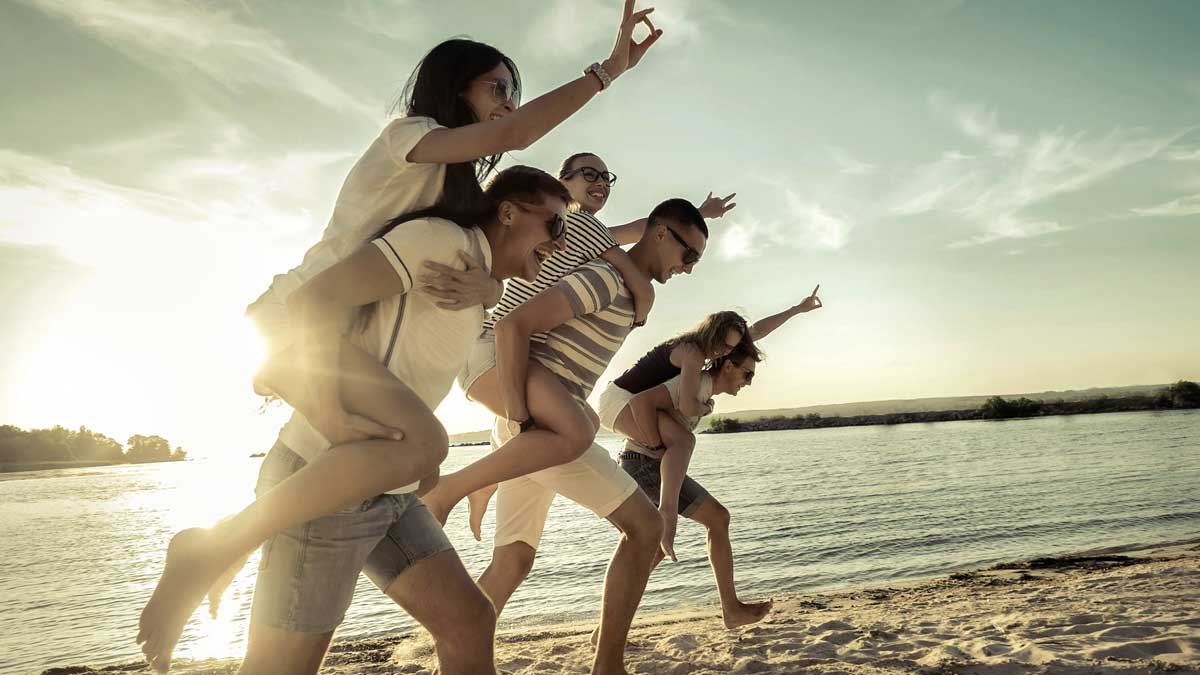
307, 574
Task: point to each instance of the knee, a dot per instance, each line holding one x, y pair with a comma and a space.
575, 442
720, 519
429, 444
471, 622
515, 566
646, 532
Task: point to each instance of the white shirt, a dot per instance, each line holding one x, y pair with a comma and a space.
383, 184
422, 344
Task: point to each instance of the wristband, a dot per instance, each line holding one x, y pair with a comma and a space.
526, 424
602, 75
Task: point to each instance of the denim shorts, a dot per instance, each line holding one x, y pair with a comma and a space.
307, 574
647, 472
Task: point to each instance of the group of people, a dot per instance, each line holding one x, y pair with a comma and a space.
368, 333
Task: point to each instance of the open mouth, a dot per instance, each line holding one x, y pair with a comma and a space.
599, 194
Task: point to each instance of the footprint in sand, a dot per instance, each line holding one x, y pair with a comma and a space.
1134, 651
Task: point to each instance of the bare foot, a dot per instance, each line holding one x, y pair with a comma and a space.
194, 565
477, 503
746, 613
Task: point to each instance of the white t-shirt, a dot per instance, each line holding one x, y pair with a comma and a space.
422, 344
383, 184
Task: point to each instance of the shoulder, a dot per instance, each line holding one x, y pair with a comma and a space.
437, 238
686, 352
406, 126
584, 220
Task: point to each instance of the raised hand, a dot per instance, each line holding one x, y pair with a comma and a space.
459, 289
715, 207
810, 303
627, 52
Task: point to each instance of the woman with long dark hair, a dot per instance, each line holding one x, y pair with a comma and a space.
462, 115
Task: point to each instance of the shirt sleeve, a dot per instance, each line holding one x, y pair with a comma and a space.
409, 244
590, 288
403, 134
704, 392
587, 236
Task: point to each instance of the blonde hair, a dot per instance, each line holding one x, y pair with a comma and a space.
710, 332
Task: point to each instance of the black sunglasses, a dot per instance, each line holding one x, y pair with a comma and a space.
747, 374
690, 255
592, 175
556, 224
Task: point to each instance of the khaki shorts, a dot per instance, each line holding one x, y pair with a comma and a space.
594, 481
612, 401
481, 359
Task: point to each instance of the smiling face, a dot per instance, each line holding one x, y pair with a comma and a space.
492, 95
735, 376
732, 337
529, 240
590, 195
674, 245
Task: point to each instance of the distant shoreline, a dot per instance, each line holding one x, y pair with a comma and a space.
1180, 396
21, 467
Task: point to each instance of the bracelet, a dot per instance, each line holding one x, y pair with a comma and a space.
526, 424
598, 70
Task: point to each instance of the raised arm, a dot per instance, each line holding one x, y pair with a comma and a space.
539, 314
535, 119
712, 207
765, 326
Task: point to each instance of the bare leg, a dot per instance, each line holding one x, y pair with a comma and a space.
478, 500
271, 651
509, 567
350, 473
625, 582
680, 444
715, 518
439, 594
563, 433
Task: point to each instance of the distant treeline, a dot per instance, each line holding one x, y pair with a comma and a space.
1182, 394
59, 445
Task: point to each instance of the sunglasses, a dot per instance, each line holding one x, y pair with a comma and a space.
504, 91
554, 222
747, 374
690, 255
592, 175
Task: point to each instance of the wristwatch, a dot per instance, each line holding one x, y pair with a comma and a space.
598, 70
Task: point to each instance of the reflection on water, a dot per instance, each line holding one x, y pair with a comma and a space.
82, 548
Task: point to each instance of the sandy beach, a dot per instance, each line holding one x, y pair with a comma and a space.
1105, 611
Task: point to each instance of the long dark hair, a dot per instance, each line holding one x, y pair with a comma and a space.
516, 183
435, 89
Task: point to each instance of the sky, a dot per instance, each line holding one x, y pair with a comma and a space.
994, 197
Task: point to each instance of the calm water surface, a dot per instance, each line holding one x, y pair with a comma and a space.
81, 549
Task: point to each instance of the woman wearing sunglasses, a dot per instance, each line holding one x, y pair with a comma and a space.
683, 356
462, 113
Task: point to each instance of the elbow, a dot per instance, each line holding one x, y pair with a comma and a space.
512, 327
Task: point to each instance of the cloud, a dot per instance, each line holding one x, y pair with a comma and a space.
976, 122
1183, 154
393, 19
1183, 206
569, 28
808, 226
850, 165
995, 189
192, 39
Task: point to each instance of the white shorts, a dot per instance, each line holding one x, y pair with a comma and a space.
612, 401
594, 481
270, 318
480, 360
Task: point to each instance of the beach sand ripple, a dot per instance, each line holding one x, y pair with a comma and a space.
1099, 615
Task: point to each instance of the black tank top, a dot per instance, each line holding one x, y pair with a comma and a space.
651, 370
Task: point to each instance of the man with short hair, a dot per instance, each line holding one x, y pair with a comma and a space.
585, 318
